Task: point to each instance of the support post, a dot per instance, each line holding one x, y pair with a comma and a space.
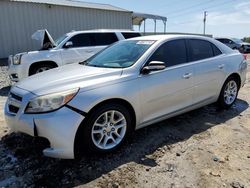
204, 20
165, 26
144, 26
155, 27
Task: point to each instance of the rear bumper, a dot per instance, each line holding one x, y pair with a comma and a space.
59, 127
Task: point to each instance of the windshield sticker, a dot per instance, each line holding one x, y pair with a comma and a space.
148, 42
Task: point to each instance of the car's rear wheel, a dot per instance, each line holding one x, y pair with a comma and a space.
229, 93
105, 129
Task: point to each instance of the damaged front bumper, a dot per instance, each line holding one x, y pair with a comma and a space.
59, 127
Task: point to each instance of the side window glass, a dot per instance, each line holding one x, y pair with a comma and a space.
130, 35
200, 49
171, 53
81, 40
227, 41
216, 50
103, 39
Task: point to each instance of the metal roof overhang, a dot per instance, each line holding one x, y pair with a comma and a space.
138, 18
76, 3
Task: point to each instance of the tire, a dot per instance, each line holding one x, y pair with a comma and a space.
229, 93
93, 132
41, 67
242, 49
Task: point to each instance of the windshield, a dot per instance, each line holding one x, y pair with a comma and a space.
120, 55
237, 40
60, 39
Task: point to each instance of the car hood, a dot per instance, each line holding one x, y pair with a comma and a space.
45, 39
245, 43
69, 77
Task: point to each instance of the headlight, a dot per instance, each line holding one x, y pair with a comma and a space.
50, 102
17, 59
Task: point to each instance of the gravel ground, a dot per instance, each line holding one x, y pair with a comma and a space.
202, 148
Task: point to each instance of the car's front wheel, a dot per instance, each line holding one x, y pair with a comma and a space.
229, 93
105, 129
41, 67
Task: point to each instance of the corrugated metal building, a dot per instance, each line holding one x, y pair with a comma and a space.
19, 19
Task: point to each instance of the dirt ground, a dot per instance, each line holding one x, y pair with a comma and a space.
202, 148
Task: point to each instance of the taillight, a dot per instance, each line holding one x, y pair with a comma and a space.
245, 56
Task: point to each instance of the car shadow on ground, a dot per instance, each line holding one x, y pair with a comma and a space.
42, 171
4, 91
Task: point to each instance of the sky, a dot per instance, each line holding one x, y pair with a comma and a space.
229, 18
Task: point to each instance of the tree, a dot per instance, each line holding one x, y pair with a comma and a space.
246, 39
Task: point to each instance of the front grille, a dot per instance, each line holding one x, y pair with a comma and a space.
14, 96
14, 102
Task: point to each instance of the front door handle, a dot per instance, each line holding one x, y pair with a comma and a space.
89, 51
187, 75
221, 66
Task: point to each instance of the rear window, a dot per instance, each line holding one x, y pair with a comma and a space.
130, 35
200, 49
221, 40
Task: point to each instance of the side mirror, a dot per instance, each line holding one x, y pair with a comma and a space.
153, 66
68, 44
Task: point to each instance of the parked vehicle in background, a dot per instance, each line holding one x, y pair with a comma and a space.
94, 105
72, 47
236, 44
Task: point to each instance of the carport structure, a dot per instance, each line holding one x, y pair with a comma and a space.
138, 18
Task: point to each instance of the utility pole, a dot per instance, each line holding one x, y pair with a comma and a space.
204, 21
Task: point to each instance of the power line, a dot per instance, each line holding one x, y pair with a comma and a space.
192, 21
205, 8
190, 7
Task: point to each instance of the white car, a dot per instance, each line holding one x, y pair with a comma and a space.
72, 47
95, 105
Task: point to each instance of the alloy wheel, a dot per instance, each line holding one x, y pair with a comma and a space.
109, 129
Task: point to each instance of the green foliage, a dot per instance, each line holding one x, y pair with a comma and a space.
246, 39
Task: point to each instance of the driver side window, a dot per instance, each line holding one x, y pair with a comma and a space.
81, 40
171, 53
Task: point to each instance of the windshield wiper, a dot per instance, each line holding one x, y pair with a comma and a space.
94, 65
83, 62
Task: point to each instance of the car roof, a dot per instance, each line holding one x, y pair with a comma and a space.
101, 31
170, 36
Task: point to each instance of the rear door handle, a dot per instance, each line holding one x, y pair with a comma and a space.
187, 75
221, 66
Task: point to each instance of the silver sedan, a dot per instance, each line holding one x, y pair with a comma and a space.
93, 106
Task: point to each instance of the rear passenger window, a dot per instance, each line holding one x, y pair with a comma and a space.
171, 53
103, 39
131, 35
81, 40
216, 50
200, 49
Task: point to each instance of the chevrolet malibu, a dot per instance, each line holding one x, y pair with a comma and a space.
93, 106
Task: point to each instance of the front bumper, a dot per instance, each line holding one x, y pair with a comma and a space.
59, 127
16, 72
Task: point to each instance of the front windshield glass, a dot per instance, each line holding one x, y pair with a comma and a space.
60, 39
120, 55
237, 40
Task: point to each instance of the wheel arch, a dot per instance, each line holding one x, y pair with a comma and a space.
237, 77
123, 102
33, 65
